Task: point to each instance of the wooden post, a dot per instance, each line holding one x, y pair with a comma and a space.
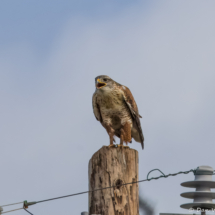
110, 167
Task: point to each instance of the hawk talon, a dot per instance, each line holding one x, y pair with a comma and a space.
112, 146
122, 146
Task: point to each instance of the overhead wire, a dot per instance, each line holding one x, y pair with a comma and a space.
89, 191
11, 210
26, 204
12, 204
27, 211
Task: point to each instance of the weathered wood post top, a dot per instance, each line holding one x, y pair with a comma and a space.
112, 166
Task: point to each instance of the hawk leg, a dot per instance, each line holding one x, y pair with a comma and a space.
110, 132
122, 135
125, 135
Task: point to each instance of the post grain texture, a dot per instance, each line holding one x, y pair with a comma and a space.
110, 167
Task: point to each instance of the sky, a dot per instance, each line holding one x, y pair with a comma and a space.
50, 53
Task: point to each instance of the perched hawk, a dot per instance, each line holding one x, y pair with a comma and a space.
115, 107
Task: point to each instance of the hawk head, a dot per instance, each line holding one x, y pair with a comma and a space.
104, 82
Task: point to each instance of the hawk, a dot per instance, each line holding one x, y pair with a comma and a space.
114, 106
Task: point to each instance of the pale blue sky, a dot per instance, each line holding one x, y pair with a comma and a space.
50, 53
39, 23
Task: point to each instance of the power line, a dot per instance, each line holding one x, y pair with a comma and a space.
27, 211
11, 210
12, 204
26, 204
162, 176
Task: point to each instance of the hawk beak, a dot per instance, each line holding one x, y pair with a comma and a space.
100, 84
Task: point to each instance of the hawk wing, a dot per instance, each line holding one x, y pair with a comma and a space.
130, 102
96, 108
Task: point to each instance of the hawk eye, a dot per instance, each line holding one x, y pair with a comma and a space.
104, 79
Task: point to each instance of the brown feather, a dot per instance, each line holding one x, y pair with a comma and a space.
127, 132
96, 109
129, 100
